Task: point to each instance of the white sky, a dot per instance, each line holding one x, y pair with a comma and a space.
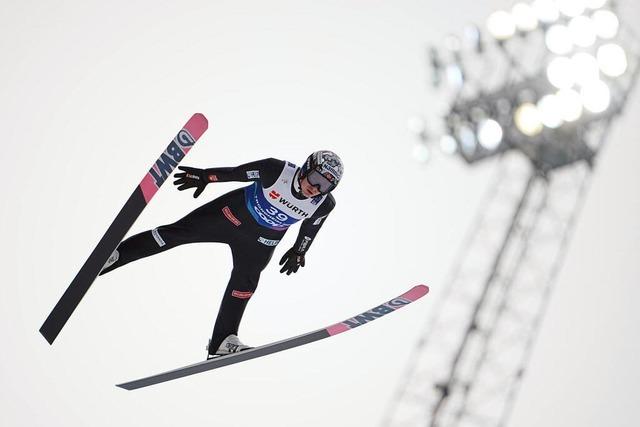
92, 91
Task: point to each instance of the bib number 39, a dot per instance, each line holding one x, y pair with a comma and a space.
277, 214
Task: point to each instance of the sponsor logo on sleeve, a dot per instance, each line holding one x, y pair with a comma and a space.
157, 237
319, 220
253, 174
230, 216
241, 294
306, 240
268, 242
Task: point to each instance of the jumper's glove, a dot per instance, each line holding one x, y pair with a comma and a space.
292, 260
192, 177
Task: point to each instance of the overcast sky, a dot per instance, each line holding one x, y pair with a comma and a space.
92, 92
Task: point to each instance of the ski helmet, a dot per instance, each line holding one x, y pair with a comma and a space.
323, 169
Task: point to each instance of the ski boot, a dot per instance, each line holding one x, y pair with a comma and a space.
230, 345
115, 256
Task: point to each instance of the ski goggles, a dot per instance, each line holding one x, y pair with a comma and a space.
324, 183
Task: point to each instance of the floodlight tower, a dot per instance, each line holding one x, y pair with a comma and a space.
538, 95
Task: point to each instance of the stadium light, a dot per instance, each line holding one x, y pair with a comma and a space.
612, 60
421, 152
467, 138
606, 24
571, 8
570, 104
582, 31
524, 17
596, 96
560, 72
527, 119
448, 144
546, 11
550, 111
454, 74
489, 134
560, 68
558, 39
501, 25
546, 88
585, 68
473, 38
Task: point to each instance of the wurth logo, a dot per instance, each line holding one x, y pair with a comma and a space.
293, 207
274, 194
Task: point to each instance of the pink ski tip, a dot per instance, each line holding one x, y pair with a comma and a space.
197, 125
416, 292
336, 329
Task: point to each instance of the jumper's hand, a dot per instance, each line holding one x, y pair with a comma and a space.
292, 260
190, 178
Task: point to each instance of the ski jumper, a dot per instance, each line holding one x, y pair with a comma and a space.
251, 220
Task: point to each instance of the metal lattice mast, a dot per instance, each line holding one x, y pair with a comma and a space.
468, 365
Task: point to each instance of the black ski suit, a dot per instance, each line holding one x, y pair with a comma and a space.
228, 220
